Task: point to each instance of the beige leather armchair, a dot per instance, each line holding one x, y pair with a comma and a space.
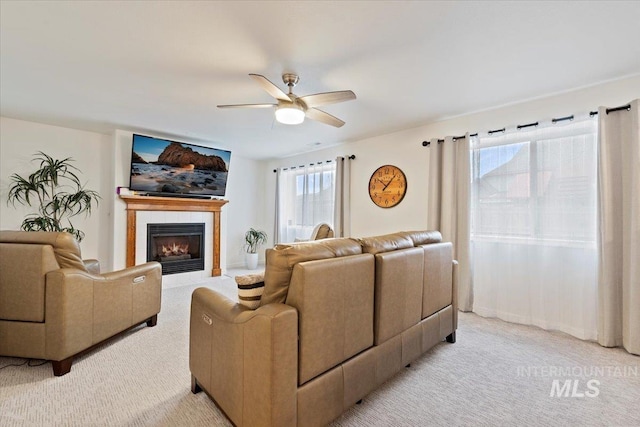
54, 305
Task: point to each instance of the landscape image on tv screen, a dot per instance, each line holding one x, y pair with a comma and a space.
163, 166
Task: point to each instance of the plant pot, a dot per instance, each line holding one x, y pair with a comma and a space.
251, 260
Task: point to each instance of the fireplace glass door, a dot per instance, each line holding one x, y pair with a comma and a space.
178, 247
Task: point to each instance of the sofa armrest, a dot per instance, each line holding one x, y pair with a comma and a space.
245, 359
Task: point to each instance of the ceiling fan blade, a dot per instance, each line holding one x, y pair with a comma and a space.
270, 88
326, 118
248, 106
320, 99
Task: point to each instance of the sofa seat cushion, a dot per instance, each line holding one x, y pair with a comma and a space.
282, 258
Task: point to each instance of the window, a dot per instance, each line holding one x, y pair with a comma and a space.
538, 184
533, 227
306, 198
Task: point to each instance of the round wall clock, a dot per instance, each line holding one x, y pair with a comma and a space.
387, 186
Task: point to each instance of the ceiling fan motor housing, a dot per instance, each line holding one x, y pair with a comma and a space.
290, 80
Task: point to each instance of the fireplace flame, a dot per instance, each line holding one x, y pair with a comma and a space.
174, 249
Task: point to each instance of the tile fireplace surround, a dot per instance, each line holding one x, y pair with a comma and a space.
170, 204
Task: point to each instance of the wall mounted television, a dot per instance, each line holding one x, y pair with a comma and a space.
168, 168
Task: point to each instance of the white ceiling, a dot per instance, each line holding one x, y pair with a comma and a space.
161, 67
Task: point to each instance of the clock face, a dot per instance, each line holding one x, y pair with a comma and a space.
387, 186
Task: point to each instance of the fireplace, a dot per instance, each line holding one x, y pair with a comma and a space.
178, 247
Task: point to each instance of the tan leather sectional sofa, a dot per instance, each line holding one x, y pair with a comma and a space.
338, 317
54, 305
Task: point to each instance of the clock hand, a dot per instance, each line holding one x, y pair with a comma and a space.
392, 178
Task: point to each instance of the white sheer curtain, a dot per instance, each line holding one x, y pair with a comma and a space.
448, 205
278, 213
305, 197
342, 204
533, 238
619, 228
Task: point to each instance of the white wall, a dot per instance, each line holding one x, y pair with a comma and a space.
20, 140
404, 149
246, 192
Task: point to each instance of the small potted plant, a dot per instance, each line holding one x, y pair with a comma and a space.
253, 239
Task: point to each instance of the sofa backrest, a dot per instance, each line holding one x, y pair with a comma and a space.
23, 268
422, 237
398, 292
353, 293
413, 279
282, 258
398, 281
334, 299
438, 277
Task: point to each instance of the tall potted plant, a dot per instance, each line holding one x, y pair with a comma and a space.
253, 239
57, 192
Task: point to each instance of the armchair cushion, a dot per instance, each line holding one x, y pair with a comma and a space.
65, 246
322, 231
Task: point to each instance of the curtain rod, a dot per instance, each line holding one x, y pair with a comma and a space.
554, 121
562, 119
440, 141
350, 157
535, 124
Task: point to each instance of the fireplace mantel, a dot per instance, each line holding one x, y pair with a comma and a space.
152, 203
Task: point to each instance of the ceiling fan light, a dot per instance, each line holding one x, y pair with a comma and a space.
290, 115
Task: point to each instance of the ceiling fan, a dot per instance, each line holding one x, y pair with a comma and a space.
292, 109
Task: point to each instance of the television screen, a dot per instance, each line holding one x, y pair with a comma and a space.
161, 166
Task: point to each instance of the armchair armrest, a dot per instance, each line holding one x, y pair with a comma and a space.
144, 281
69, 312
150, 269
245, 359
83, 309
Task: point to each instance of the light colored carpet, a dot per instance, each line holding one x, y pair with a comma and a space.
497, 374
